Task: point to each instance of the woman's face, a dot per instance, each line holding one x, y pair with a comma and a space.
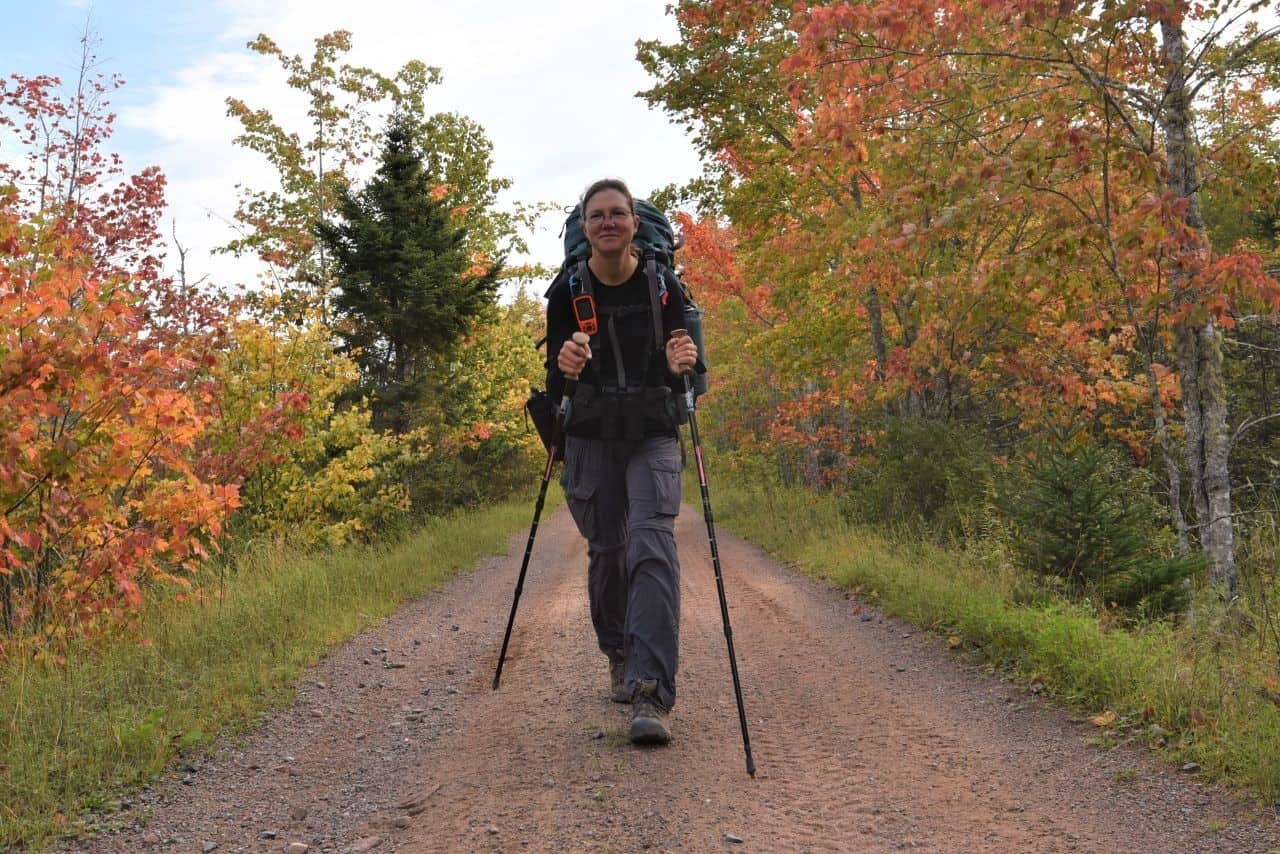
609, 223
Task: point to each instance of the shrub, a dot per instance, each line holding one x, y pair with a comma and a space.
1081, 515
472, 408
312, 470
927, 475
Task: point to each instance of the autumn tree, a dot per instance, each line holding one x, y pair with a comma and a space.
406, 288
1030, 180
1122, 163
99, 474
797, 217
60, 168
104, 375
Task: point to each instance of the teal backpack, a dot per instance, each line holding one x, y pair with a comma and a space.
658, 242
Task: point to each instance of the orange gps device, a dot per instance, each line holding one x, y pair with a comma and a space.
584, 310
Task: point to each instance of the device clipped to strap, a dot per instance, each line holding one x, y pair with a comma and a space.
584, 310
583, 302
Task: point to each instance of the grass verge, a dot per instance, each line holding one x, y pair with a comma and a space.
76, 737
1201, 691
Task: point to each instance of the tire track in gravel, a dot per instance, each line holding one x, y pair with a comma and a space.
868, 735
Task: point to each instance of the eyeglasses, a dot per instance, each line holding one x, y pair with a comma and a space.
599, 217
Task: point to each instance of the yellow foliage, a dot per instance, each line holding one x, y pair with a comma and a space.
319, 472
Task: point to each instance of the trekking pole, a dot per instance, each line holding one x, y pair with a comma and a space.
570, 382
715, 557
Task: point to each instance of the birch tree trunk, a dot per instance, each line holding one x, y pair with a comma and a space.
1199, 341
1172, 474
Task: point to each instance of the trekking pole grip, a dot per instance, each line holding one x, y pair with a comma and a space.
682, 333
581, 339
571, 380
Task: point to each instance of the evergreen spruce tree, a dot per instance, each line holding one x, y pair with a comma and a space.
1084, 516
405, 287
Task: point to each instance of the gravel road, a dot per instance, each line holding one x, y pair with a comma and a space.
869, 735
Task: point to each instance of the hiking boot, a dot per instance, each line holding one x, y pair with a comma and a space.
618, 682
646, 716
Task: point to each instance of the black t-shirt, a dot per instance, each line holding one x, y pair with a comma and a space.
624, 313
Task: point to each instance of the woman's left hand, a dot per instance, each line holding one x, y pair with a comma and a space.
681, 354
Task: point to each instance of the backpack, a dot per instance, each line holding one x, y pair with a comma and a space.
657, 240
655, 234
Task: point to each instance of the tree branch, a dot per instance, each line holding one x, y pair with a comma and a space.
1248, 425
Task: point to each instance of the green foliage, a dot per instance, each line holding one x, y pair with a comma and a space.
727, 92
315, 164
1252, 367
474, 407
458, 158
407, 288
413, 258
925, 475
1084, 517
1260, 585
311, 470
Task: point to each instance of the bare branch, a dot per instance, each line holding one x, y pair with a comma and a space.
1250, 424
1238, 343
1237, 59
1234, 515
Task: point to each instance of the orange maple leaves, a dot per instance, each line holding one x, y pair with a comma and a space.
98, 464
966, 212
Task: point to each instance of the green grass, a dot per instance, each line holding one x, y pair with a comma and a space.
1195, 690
78, 736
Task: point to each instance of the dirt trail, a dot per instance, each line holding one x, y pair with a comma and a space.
868, 735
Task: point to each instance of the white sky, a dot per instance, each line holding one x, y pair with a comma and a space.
551, 81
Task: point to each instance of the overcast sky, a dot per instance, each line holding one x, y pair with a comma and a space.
553, 83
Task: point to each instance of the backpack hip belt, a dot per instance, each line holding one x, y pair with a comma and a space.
624, 414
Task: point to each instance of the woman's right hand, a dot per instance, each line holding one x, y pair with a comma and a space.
573, 357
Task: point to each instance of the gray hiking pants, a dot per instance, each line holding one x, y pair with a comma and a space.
624, 497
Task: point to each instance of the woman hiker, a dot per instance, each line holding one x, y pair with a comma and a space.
622, 458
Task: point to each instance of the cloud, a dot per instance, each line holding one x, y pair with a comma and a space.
192, 142
553, 83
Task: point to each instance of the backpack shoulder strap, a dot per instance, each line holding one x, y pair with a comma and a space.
655, 306
581, 283
580, 279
